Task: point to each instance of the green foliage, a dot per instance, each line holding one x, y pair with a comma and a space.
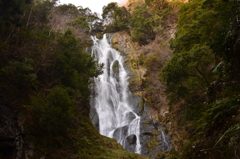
149, 19
69, 9
233, 132
143, 22
217, 111
10, 12
39, 13
192, 47
52, 117
22, 71
45, 78
203, 75
109, 10
186, 72
142, 25
80, 17
115, 17
73, 66
153, 64
175, 4
162, 12
80, 22
157, 5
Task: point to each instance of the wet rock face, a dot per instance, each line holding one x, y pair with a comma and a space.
130, 143
120, 132
149, 134
120, 42
131, 139
153, 138
94, 117
130, 116
93, 112
136, 103
115, 68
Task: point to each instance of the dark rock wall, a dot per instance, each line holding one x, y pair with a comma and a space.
11, 134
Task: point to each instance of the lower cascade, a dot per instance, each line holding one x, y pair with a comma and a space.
116, 118
117, 113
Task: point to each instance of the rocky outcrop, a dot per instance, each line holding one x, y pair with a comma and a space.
153, 139
122, 42
94, 116
130, 143
120, 132
13, 141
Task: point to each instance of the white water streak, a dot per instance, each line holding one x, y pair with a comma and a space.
165, 141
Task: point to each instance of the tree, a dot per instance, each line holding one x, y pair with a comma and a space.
52, 118
115, 18
188, 73
201, 72
11, 10
142, 25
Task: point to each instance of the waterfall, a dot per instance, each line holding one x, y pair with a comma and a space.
116, 119
165, 141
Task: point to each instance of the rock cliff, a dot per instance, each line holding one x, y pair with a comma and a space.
154, 140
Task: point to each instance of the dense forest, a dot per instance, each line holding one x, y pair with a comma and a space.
203, 77
46, 75
45, 83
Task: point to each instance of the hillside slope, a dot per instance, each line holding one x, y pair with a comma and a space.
45, 78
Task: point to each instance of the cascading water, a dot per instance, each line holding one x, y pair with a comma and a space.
116, 119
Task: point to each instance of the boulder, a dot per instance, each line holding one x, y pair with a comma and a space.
130, 143
120, 133
130, 116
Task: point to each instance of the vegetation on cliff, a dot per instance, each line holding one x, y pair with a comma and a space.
203, 75
141, 20
45, 77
